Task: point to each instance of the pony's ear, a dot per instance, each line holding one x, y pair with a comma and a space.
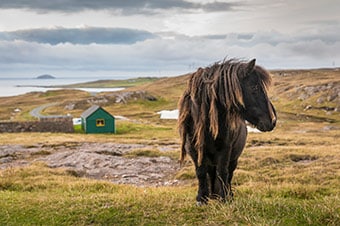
250, 66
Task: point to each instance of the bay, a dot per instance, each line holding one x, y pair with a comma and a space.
18, 86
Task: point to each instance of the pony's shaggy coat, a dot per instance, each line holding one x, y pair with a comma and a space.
208, 90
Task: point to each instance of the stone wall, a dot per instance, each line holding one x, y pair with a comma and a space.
58, 124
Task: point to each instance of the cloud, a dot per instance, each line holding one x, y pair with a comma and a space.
326, 31
127, 6
219, 6
86, 35
166, 52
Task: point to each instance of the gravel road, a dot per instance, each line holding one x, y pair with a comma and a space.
36, 111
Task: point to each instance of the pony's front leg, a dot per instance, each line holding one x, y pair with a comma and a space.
222, 177
203, 190
223, 185
212, 182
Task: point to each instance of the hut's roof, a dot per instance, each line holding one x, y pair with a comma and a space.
89, 111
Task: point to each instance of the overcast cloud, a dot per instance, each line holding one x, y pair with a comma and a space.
83, 36
163, 38
126, 6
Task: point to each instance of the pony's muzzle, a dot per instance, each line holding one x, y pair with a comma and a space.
267, 124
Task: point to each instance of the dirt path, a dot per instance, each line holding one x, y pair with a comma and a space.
107, 161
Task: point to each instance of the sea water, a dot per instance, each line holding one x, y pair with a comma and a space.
18, 86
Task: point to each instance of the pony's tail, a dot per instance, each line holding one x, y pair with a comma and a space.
183, 120
183, 153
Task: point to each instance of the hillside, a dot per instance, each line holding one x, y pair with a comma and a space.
306, 93
313, 93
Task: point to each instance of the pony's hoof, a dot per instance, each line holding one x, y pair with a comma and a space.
200, 203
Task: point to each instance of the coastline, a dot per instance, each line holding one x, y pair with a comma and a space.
14, 87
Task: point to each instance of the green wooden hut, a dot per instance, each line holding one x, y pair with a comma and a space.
97, 120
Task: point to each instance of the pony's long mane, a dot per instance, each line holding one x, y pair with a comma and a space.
208, 90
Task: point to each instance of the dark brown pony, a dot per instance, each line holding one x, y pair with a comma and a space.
212, 114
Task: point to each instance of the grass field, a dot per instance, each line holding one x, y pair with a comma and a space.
290, 176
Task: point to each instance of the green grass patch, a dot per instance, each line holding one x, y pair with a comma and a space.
127, 127
186, 173
38, 195
78, 129
144, 130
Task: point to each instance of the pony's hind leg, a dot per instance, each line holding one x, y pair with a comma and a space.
201, 172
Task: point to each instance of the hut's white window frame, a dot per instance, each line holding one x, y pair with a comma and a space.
100, 122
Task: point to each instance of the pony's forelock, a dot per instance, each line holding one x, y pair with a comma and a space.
264, 77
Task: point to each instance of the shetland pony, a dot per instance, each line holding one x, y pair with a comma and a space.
212, 114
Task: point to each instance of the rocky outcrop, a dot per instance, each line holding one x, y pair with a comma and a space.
330, 92
106, 161
121, 97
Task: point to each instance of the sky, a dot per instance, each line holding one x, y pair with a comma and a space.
129, 38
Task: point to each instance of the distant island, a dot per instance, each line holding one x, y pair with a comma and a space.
45, 77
